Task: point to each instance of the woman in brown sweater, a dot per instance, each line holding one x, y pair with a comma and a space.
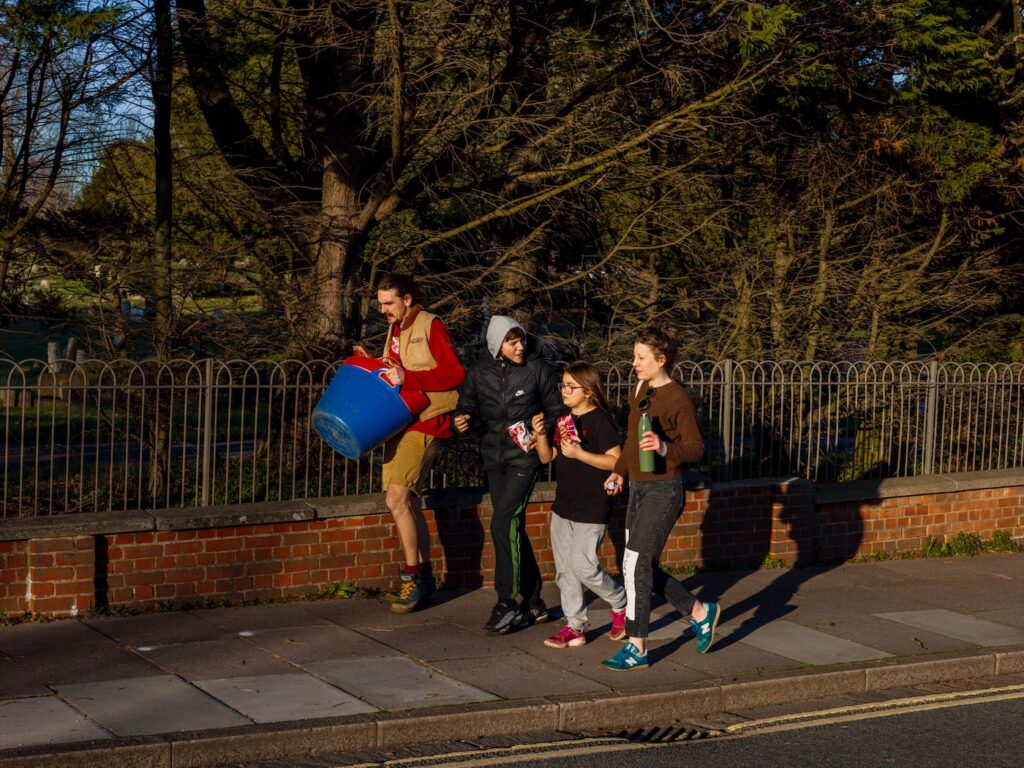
656, 498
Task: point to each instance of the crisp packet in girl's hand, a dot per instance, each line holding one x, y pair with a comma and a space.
567, 429
520, 435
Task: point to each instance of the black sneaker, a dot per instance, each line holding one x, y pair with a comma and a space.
505, 615
537, 611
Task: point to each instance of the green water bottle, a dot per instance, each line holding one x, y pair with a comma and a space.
646, 457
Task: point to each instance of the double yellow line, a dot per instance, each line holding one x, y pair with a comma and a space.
875, 709
532, 753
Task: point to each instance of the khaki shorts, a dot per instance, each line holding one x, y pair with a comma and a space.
407, 460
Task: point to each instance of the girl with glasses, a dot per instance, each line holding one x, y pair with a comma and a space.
583, 457
656, 497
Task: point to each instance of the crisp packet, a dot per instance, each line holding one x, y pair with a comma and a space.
520, 435
567, 429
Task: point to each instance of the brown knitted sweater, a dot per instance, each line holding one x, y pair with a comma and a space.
674, 418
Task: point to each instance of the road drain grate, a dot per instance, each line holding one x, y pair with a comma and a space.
664, 734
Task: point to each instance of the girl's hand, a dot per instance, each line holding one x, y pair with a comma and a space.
461, 423
613, 484
538, 425
570, 450
651, 442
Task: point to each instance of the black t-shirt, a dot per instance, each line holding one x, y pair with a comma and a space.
580, 495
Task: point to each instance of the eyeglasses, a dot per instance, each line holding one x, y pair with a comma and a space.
569, 387
645, 402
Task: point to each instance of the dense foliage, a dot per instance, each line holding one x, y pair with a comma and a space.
777, 180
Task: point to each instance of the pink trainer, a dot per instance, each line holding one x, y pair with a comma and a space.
566, 637
618, 630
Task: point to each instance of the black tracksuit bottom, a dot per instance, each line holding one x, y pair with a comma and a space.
515, 566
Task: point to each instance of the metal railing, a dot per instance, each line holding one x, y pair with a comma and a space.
93, 436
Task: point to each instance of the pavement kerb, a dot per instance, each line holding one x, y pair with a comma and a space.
576, 713
1009, 662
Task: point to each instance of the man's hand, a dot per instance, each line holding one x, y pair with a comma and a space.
461, 423
396, 375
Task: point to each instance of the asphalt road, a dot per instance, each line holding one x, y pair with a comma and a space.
983, 733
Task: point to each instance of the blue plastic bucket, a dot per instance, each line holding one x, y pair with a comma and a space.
361, 409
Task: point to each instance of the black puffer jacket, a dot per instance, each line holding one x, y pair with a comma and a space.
496, 394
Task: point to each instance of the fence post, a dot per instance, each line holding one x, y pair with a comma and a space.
726, 416
207, 430
931, 418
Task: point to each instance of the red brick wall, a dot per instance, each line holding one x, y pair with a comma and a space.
729, 526
13, 572
60, 575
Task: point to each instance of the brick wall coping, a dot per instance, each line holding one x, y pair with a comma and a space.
926, 485
262, 513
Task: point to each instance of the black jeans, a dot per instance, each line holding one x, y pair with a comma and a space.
653, 508
515, 567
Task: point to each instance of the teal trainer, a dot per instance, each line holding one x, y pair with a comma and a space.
705, 629
409, 593
626, 659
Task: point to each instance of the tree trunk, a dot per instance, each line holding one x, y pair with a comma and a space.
815, 329
162, 83
333, 320
780, 282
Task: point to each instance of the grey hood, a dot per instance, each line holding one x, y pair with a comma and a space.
497, 329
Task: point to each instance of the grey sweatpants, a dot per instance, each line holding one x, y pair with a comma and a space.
575, 549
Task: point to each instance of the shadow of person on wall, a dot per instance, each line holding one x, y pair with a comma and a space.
460, 533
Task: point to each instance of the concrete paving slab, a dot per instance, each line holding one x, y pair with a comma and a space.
805, 645
669, 627
869, 630
435, 641
586, 661
968, 628
307, 644
157, 629
397, 683
356, 614
252, 617
279, 698
526, 640
43, 720
215, 659
733, 583
855, 600
16, 682
518, 676
728, 660
82, 663
1007, 565
1012, 617
967, 595
148, 705
845, 577
30, 634
469, 609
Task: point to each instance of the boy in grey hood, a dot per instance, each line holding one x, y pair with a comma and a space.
497, 329
501, 389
